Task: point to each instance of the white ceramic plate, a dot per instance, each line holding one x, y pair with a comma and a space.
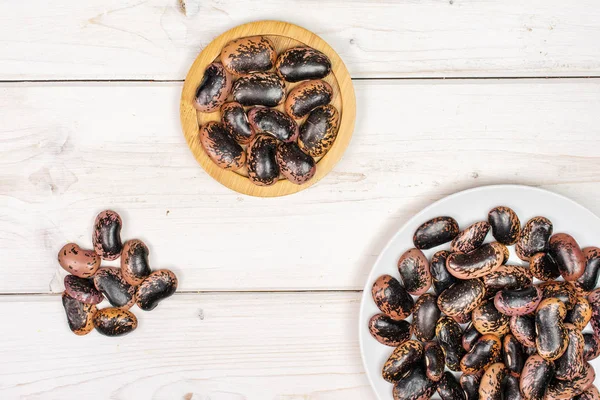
468, 207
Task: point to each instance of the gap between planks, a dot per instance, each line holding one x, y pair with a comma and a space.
409, 78
210, 292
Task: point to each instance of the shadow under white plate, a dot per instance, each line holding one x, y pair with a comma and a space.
467, 207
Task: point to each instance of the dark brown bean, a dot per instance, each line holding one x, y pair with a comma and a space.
476, 264
404, 358
518, 301
570, 364
413, 267
425, 316
82, 289
434, 360
414, 386
566, 389
543, 267
235, 121
580, 314
449, 388
295, 165
259, 89
594, 299
568, 256
485, 352
560, 290
462, 297
587, 282
590, 393
535, 377
213, 89
263, 169
449, 335
77, 261
591, 347
134, 262
533, 238
319, 131
221, 147
505, 225
106, 237
523, 327
470, 238
442, 279
470, 337
435, 232
507, 277
302, 63
487, 319
514, 357
273, 122
115, 322
552, 338
306, 97
470, 385
490, 387
248, 54
388, 331
110, 282
79, 315
391, 297
155, 288
511, 388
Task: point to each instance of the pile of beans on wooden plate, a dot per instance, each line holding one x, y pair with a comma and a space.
524, 338
89, 283
245, 86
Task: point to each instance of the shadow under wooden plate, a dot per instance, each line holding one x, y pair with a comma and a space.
284, 36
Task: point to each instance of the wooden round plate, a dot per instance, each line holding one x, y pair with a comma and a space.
284, 36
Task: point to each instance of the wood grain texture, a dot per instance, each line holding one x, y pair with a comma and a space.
284, 36
94, 146
192, 347
155, 39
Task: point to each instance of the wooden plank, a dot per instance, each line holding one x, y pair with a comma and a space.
67, 151
218, 346
155, 39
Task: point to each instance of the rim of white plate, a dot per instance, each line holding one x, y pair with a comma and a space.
392, 239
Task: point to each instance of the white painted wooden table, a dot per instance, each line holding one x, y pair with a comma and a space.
269, 288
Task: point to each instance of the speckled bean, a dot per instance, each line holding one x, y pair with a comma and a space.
488, 319
404, 358
476, 264
570, 364
505, 225
485, 352
533, 237
568, 256
442, 279
518, 301
470, 238
435, 232
413, 267
462, 297
388, 331
552, 338
491, 387
425, 316
391, 297
535, 377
